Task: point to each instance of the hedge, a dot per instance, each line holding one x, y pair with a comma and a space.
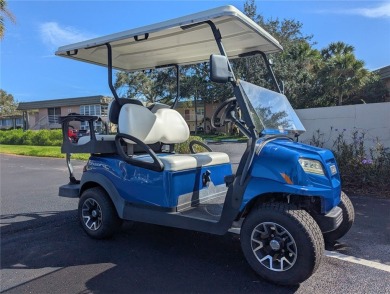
33, 138
54, 138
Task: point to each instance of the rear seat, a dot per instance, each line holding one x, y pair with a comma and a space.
179, 162
166, 126
163, 125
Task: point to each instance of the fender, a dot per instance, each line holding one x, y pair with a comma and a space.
106, 184
258, 186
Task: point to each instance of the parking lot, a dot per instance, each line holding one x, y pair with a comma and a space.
44, 250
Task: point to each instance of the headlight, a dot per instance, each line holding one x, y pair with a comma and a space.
311, 166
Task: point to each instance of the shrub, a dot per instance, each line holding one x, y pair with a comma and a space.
54, 138
184, 147
362, 169
11, 137
37, 138
27, 138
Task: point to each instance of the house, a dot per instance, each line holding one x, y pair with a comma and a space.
193, 113
47, 112
199, 115
11, 122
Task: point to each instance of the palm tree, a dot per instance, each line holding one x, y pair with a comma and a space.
4, 12
343, 74
337, 49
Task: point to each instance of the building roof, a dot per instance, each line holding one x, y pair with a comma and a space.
90, 100
384, 72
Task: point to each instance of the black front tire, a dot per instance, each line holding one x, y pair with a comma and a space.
283, 244
97, 214
348, 220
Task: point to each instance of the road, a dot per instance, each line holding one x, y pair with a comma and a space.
44, 250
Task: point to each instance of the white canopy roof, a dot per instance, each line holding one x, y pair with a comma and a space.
168, 43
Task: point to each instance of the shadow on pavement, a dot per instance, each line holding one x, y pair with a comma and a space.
148, 258
139, 259
10, 223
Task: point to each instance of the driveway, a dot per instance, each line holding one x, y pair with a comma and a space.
44, 250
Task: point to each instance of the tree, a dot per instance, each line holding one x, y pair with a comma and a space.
341, 74
149, 86
196, 82
373, 91
250, 9
293, 66
312, 78
196, 85
4, 13
7, 104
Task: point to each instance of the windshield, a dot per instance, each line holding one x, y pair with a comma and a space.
270, 111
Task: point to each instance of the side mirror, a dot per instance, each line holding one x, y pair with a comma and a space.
219, 69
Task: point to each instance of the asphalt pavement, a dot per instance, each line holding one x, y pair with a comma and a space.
44, 249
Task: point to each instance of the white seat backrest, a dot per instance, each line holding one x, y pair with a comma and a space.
166, 125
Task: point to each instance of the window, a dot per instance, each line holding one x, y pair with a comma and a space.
187, 114
104, 110
6, 122
200, 111
97, 110
19, 121
53, 115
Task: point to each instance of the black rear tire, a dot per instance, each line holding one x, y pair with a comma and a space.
97, 214
348, 220
283, 244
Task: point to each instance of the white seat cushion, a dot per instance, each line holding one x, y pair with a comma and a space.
178, 162
85, 139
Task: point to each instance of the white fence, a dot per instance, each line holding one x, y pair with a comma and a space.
371, 119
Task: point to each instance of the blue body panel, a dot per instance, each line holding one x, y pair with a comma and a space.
277, 157
160, 189
281, 156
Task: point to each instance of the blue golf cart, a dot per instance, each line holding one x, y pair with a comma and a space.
285, 197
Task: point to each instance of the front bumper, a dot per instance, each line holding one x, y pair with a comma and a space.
330, 221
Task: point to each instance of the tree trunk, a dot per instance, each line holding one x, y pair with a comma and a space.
340, 100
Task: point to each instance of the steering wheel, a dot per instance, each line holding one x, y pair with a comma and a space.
230, 106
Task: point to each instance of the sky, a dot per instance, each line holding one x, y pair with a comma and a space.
30, 71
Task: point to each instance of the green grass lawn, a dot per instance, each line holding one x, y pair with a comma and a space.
39, 151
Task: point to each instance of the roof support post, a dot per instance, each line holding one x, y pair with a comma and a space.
217, 37
109, 67
177, 86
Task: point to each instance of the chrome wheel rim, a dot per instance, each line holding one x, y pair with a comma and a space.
92, 214
274, 247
